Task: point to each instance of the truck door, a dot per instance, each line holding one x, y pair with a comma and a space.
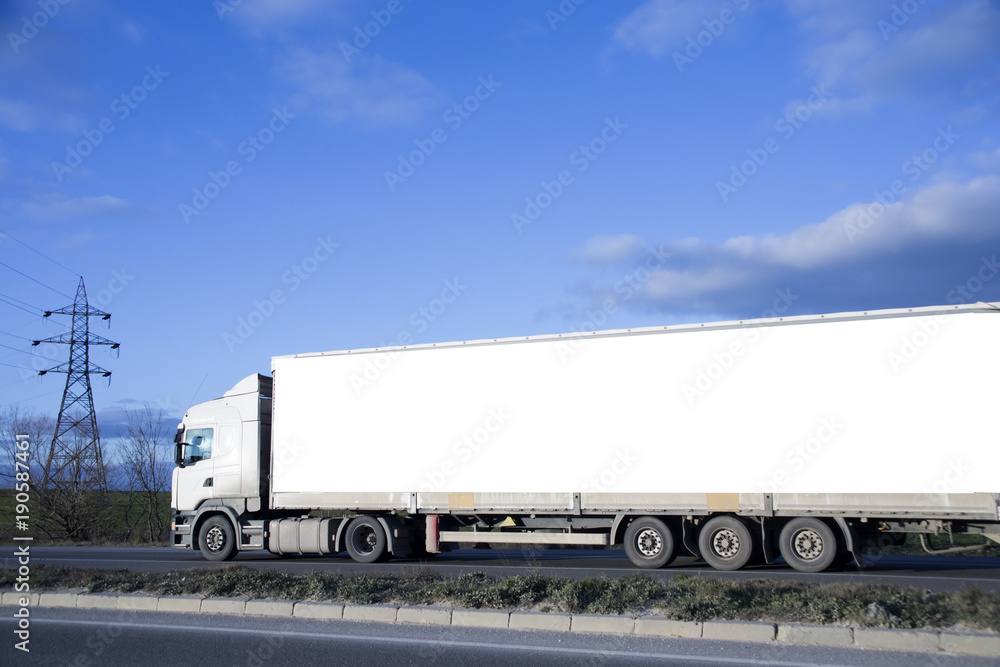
195, 480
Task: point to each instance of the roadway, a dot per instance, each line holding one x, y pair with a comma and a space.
938, 573
105, 637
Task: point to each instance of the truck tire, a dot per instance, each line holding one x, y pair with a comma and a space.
726, 543
649, 543
216, 539
366, 541
808, 545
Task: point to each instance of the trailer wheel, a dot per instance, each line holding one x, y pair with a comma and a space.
649, 543
808, 545
366, 541
217, 539
726, 543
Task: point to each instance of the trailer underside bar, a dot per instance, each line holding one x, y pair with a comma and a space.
523, 538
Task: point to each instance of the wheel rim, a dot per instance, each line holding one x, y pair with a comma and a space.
215, 539
808, 544
726, 543
365, 540
649, 542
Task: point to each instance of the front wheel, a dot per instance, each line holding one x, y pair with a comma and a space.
216, 539
649, 543
726, 543
808, 545
366, 541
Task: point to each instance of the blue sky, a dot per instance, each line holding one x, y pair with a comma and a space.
239, 180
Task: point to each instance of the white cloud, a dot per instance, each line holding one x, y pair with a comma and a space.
17, 115
658, 26
376, 91
133, 32
81, 207
870, 52
365, 86
867, 51
906, 250
986, 160
610, 249
267, 12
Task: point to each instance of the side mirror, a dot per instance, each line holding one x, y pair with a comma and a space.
179, 454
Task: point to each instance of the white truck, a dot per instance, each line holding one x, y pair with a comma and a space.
809, 437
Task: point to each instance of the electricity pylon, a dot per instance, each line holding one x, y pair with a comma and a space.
75, 457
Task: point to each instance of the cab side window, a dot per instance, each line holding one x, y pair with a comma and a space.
200, 441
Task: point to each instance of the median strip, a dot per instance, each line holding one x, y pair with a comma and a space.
911, 641
767, 611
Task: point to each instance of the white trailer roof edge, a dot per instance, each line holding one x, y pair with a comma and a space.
678, 328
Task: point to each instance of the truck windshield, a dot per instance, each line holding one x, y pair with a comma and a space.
200, 445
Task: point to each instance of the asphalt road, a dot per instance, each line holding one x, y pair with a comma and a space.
103, 637
938, 573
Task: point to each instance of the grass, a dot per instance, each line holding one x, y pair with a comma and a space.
911, 547
683, 598
113, 530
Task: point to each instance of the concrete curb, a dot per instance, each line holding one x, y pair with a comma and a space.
779, 634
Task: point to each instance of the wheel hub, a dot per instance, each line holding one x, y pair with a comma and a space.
808, 544
649, 543
726, 543
365, 540
215, 539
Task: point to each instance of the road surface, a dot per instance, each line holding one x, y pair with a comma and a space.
152, 639
938, 573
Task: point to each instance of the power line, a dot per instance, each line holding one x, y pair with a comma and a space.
39, 252
15, 336
33, 312
23, 303
30, 354
36, 281
20, 367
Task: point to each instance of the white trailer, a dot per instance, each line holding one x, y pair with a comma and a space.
808, 437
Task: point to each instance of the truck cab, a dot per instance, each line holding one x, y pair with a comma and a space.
221, 448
